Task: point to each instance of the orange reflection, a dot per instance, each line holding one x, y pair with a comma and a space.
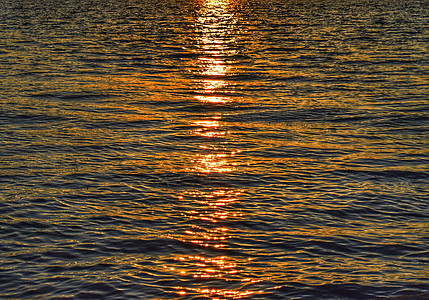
213, 163
206, 219
213, 67
209, 88
212, 99
231, 294
211, 213
213, 88
209, 128
211, 85
212, 159
215, 28
215, 198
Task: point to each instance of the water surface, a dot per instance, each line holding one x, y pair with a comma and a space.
220, 149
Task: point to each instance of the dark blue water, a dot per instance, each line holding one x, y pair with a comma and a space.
221, 149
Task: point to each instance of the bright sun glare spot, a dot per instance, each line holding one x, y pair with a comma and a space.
214, 43
211, 85
217, 2
213, 163
207, 123
213, 67
213, 99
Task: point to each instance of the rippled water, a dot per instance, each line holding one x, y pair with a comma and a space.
221, 149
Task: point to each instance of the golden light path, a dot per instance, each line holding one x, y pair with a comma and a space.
216, 27
216, 30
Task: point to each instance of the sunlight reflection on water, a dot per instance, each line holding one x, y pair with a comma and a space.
216, 29
219, 149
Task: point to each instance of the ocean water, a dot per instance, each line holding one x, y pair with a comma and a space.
214, 149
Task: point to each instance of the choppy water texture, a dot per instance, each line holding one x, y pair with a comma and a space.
221, 149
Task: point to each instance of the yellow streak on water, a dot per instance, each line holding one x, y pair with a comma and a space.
216, 30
